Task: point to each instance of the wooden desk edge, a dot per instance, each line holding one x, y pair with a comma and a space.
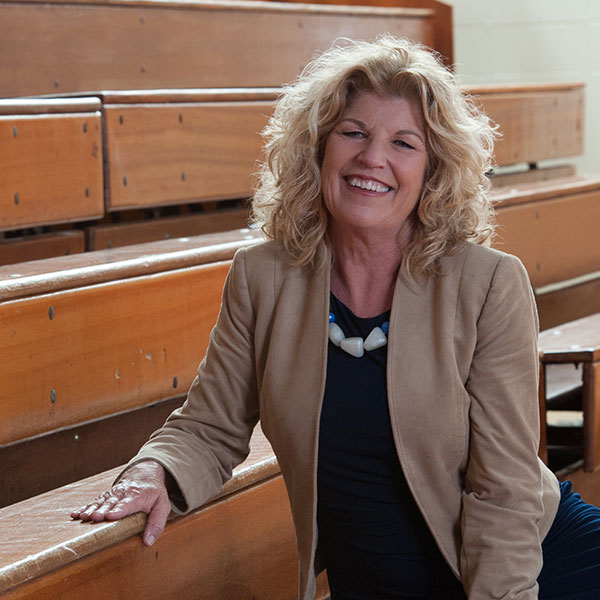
68, 272
102, 535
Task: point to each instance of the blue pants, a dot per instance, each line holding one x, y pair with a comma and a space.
571, 550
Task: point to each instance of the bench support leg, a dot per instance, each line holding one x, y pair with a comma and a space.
591, 416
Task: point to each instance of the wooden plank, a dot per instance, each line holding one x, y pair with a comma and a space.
574, 342
527, 193
52, 169
442, 20
537, 123
146, 45
34, 466
242, 547
591, 414
173, 153
556, 239
80, 354
69, 272
38, 535
36, 247
40, 106
561, 304
501, 181
123, 234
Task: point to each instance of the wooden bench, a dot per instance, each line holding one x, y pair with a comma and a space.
44, 245
158, 45
240, 545
553, 228
577, 342
96, 342
51, 171
537, 121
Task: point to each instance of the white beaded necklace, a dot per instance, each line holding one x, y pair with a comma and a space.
356, 346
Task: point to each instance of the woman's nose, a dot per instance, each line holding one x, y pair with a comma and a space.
373, 154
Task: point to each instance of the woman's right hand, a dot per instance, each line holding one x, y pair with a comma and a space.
141, 488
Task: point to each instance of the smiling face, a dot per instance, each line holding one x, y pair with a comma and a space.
373, 166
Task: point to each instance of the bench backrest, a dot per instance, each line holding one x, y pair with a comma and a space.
128, 45
90, 338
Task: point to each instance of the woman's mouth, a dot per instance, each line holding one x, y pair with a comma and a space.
367, 184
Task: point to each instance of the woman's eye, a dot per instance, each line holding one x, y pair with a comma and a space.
353, 134
403, 144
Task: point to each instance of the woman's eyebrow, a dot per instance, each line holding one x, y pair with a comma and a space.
410, 132
355, 121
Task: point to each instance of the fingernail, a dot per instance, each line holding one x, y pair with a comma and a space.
150, 539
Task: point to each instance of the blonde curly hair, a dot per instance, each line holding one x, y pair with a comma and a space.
454, 205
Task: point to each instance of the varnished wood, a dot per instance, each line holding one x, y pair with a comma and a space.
40, 106
574, 342
36, 247
36, 465
591, 414
584, 483
51, 170
123, 234
173, 153
579, 342
442, 20
67, 272
502, 181
80, 354
529, 192
193, 95
536, 123
38, 535
556, 238
241, 547
115, 45
561, 304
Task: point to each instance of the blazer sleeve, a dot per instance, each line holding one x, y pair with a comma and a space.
501, 554
201, 443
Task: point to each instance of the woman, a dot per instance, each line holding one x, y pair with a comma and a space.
408, 440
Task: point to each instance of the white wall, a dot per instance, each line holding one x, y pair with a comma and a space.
515, 41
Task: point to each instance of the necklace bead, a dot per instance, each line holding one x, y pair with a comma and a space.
356, 346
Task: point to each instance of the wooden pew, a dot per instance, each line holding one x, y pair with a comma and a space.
92, 343
553, 228
537, 122
51, 171
166, 147
240, 545
158, 45
443, 40
578, 342
101, 237
45, 245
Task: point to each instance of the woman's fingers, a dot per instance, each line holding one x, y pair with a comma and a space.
141, 489
84, 513
157, 519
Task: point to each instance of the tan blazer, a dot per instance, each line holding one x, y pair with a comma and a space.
462, 392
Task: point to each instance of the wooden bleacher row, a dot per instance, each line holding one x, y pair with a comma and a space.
207, 43
95, 342
58, 311
552, 227
230, 548
102, 341
132, 365
92, 160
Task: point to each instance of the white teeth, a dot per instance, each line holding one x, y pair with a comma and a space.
367, 184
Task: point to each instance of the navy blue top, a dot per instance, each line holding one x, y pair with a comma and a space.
372, 536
